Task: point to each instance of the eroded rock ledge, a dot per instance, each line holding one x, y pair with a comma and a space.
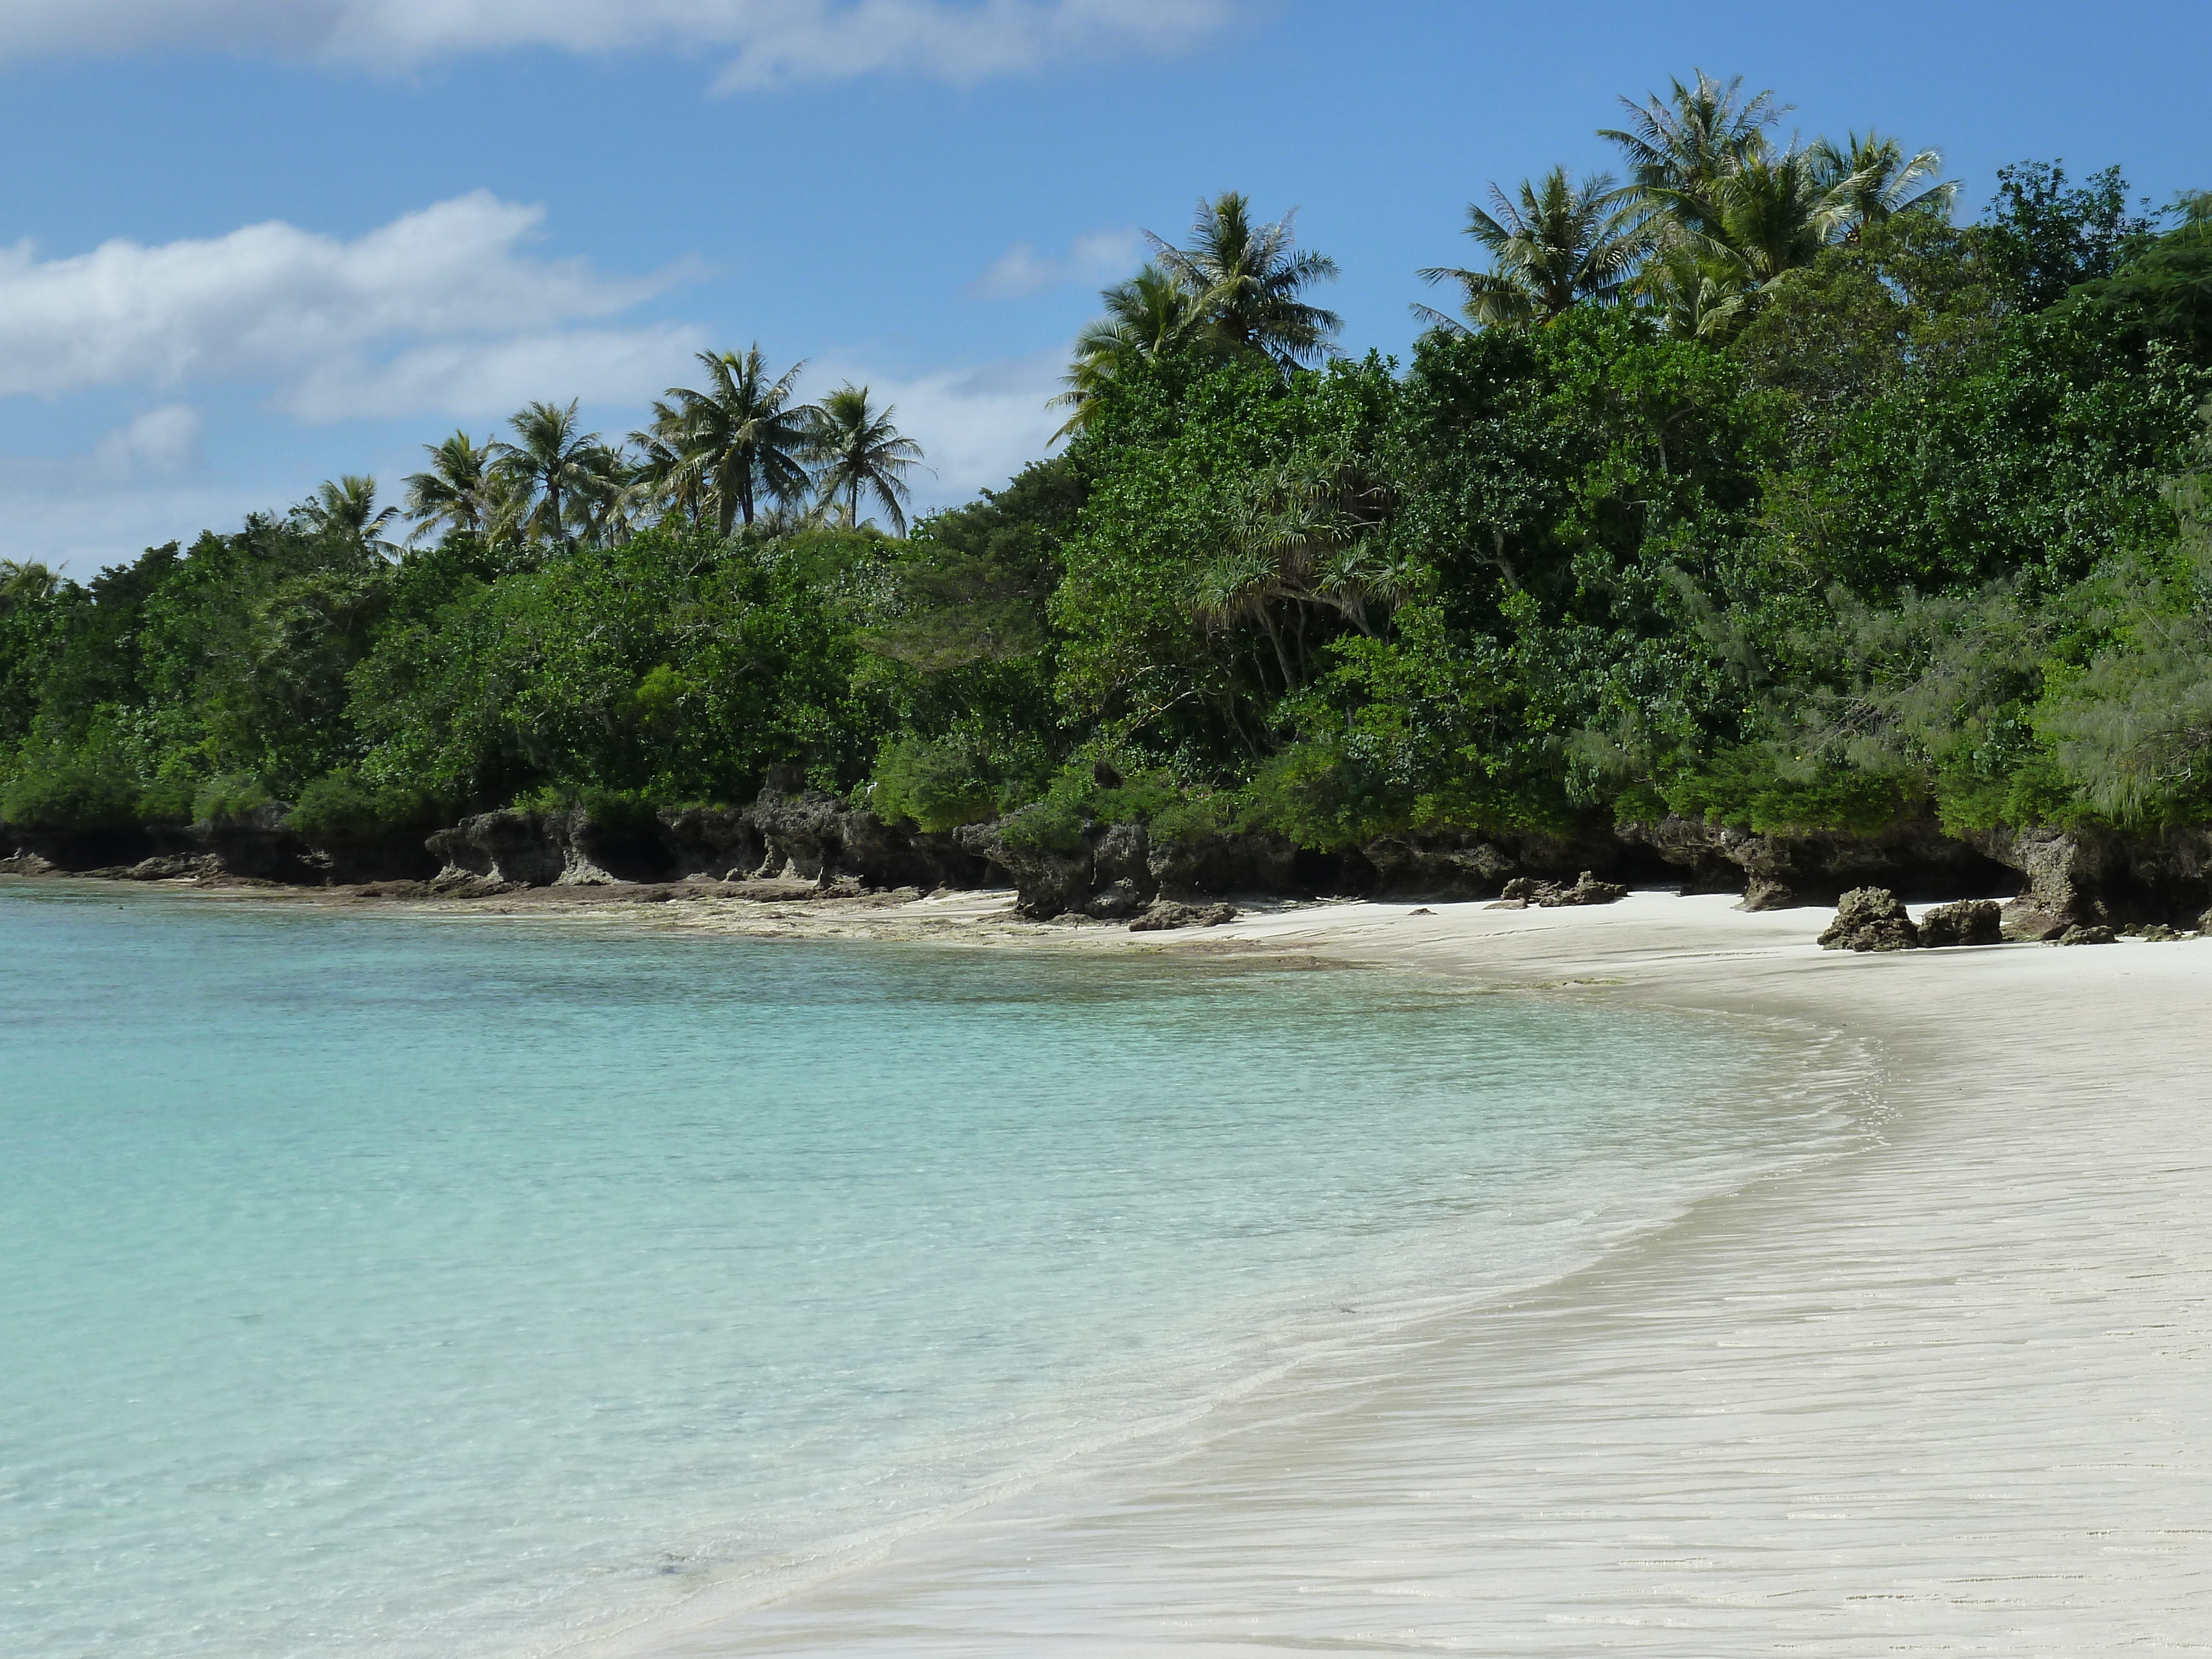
2054, 880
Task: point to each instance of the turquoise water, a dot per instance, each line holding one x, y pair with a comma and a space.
399, 1286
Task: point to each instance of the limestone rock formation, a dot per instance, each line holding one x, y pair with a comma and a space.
1870, 919
1167, 915
1776, 871
1550, 894
1969, 921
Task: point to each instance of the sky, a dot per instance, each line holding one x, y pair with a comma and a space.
248, 245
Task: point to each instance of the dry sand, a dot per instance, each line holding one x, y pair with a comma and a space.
1948, 1393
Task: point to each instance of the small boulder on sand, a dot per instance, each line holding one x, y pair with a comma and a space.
1870, 919
1970, 921
1550, 894
2089, 936
1164, 916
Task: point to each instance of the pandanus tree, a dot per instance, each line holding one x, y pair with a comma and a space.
1563, 243
1245, 281
553, 465
1306, 555
454, 493
744, 434
863, 456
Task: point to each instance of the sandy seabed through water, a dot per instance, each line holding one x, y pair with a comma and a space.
1946, 1394
1949, 1393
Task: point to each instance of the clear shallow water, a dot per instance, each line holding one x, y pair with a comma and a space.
393, 1286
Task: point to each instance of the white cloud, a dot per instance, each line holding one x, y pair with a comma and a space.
621, 365
1020, 270
768, 42
977, 426
441, 307
161, 442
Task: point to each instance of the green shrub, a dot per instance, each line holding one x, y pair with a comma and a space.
168, 798
342, 807
940, 783
1093, 790
1752, 788
74, 794
228, 796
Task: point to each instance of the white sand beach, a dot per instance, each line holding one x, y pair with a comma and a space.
1946, 1394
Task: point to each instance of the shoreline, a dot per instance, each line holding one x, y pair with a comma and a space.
1944, 1392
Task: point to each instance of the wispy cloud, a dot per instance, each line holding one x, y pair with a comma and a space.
439, 310
1021, 270
161, 442
764, 43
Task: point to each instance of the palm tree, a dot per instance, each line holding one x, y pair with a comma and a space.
664, 476
25, 582
1701, 297
346, 507
453, 493
744, 433
1563, 244
1769, 215
864, 455
550, 459
604, 504
1245, 280
1679, 147
1884, 180
1148, 317
1775, 213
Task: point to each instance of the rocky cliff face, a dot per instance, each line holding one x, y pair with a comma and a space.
254, 845
1466, 866
2091, 878
2063, 879
804, 835
1915, 859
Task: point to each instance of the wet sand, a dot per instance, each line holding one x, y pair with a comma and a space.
1948, 1394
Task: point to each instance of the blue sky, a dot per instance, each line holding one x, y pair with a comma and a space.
250, 244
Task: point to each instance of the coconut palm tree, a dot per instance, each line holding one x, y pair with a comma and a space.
453, 493
25, 582
346, 507
744, 433
1885, 181
1563, 244
1148, 317
1768, 216
665, 477
1679, 147
606, 505
1245, 280
863, 455
1776, 212
550, 459
1700, 297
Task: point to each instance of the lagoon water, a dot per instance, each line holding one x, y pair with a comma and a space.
408, 1287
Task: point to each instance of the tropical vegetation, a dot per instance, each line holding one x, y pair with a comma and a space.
1748, 482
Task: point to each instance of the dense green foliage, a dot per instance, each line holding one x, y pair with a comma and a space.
1879, 515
